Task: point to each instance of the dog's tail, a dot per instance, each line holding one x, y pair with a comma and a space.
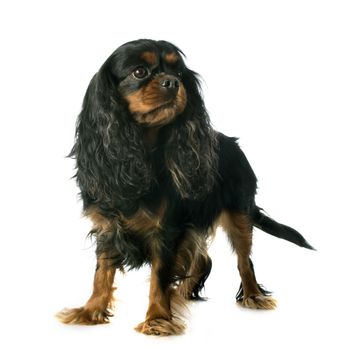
263, 222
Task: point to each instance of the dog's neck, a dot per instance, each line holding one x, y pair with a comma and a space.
150, 136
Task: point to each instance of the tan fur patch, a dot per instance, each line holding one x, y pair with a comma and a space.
97, 309
83, 316
149, 57
261, 302
191, 260
147, 105
161, 327
159, 300
163, 312
239, 230
100, 222
138, 103
144, 220
171, 58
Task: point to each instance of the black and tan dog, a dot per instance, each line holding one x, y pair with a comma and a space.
156, 180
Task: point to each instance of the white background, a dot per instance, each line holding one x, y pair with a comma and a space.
277, 75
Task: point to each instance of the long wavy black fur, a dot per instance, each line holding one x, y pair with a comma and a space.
199, 173
113, 169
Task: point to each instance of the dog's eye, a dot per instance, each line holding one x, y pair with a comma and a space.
140, 73
179, 74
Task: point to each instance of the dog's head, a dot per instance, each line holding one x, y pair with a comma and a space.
151, 77
144, 84
150, 80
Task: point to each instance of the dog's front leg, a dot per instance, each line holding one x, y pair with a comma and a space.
159, 318
97, 308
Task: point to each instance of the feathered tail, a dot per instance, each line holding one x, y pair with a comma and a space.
263, 222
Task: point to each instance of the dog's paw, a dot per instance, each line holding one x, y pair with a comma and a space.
161, 327
259, 302
83, 316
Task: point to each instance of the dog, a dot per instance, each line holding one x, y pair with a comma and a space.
156, 180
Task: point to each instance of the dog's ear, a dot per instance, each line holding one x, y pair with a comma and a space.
101, 104
191, 145
112, 170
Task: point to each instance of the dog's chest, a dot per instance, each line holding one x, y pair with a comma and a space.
144, 220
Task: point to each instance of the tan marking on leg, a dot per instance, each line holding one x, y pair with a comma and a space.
261, 302
97, 309
239, 230
191, 261
159, 318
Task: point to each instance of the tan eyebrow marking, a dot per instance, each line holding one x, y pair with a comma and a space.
149, 57
171, 58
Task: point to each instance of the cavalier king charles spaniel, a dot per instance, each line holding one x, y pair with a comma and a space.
156, 181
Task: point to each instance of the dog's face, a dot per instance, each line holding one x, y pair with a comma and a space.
149, 75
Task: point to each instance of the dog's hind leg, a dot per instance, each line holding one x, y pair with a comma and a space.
193, 264
239, 231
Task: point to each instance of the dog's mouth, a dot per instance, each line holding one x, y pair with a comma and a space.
165, 105
163, 112
160, 115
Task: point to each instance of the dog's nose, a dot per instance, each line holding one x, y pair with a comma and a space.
171, 84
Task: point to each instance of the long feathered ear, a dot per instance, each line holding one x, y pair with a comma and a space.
191, 145
112, 169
